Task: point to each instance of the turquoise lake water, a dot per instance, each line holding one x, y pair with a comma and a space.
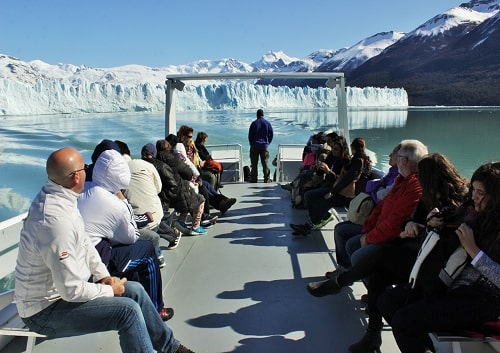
468, 137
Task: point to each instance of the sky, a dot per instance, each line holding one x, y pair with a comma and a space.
159, 33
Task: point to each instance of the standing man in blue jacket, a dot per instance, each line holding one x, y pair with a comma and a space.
260, 136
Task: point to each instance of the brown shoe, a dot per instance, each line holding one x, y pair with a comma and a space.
183, 349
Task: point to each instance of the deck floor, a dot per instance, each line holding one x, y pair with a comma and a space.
242, 287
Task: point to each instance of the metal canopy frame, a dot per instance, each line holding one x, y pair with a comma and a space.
333, 80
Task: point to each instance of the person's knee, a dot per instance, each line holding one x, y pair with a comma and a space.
353, 245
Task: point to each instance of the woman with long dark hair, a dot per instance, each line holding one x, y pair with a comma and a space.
473, 298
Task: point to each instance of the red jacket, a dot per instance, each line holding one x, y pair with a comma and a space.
384, 223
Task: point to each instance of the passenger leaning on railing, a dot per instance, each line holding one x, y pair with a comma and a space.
62, 288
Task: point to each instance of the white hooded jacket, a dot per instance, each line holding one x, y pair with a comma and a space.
104, 214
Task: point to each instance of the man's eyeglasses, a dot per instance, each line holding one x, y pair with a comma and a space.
76, 171
189, 136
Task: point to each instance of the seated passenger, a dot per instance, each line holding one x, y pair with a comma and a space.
347, 185
385, 221
212, 197
207, 163
109, 222
62, 287
142, 194
102, 146
185, 200
442, 186
379, 188
472, 298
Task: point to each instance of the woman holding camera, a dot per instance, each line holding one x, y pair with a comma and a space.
473, 298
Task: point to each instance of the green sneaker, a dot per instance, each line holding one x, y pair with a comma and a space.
324, 222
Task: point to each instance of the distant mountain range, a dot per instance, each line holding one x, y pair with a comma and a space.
452, 59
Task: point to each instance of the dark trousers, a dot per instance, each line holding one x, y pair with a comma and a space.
263, 154
413, 316
318, 206
138, 262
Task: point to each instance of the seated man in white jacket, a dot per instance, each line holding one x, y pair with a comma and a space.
62, 287
110, 223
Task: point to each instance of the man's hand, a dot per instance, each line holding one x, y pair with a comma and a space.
412, 230
118, 286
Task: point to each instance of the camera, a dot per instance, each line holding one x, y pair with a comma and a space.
446, 213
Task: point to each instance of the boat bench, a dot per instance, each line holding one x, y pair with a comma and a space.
463, 344
10, 322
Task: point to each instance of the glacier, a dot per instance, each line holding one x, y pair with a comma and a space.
52, 96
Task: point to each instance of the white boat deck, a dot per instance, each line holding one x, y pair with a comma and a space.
242, 287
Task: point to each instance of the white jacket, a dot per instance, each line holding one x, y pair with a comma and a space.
105, 215
142, 192
56, 258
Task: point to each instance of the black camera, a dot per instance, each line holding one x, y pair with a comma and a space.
446, 213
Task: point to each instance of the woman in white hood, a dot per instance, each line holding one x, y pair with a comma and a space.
110, 223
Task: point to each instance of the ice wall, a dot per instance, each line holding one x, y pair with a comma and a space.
55, 97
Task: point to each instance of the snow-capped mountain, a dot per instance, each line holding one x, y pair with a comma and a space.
445, 60
456, 47
348, 59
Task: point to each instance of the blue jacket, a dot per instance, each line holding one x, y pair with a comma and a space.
260, 134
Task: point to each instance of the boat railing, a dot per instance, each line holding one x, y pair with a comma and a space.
9, 239
288, 162
231, 157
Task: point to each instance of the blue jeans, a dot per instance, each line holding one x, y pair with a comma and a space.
133, 315
343, 233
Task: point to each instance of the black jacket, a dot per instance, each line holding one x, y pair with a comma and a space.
186, 199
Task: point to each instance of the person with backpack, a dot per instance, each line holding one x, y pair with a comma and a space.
473, 296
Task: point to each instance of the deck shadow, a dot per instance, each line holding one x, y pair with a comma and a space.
287, 319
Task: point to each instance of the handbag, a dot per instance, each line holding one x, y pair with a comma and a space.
440, 260
360, 208
212, 166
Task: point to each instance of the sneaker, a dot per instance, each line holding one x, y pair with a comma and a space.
183, 349
198, 231
301, 229
161, 261
208, 220
175, 242
371, 341
324, 222
166, 313
287, 187
322, 288
226, 204
179, 225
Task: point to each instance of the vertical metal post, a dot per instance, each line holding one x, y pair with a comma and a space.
342, 109
170, 118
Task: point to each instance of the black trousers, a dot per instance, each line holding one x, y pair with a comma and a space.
413, 316
263, 154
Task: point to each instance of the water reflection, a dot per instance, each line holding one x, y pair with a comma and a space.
468, 137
